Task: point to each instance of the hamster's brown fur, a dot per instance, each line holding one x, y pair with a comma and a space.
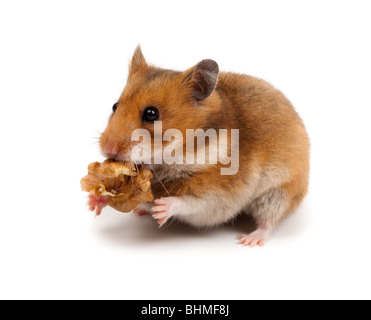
274, 146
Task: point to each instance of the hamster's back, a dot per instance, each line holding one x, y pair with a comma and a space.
271, 131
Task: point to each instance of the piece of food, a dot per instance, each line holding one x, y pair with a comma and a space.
121, 185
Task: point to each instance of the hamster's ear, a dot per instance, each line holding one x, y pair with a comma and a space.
137, 62
204, 79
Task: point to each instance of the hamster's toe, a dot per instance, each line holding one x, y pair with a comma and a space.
256, 238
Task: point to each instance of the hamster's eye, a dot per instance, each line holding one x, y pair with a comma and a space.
151, 114
115, 106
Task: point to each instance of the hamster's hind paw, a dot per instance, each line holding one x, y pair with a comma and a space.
140, 211
256, 238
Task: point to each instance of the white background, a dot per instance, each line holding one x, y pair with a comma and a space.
62, 66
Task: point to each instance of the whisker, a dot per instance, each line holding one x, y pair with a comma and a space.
131, 177
132, 183
155, 173
136, 166
159, 180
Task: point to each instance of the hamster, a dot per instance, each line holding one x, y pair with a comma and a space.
274, 147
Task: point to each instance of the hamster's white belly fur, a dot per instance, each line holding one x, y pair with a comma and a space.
260, 196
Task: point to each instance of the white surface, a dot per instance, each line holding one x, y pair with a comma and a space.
64, 64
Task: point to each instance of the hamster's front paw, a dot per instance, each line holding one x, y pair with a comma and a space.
97, 203
166, 208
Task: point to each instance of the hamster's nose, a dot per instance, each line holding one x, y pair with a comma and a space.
111, 149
